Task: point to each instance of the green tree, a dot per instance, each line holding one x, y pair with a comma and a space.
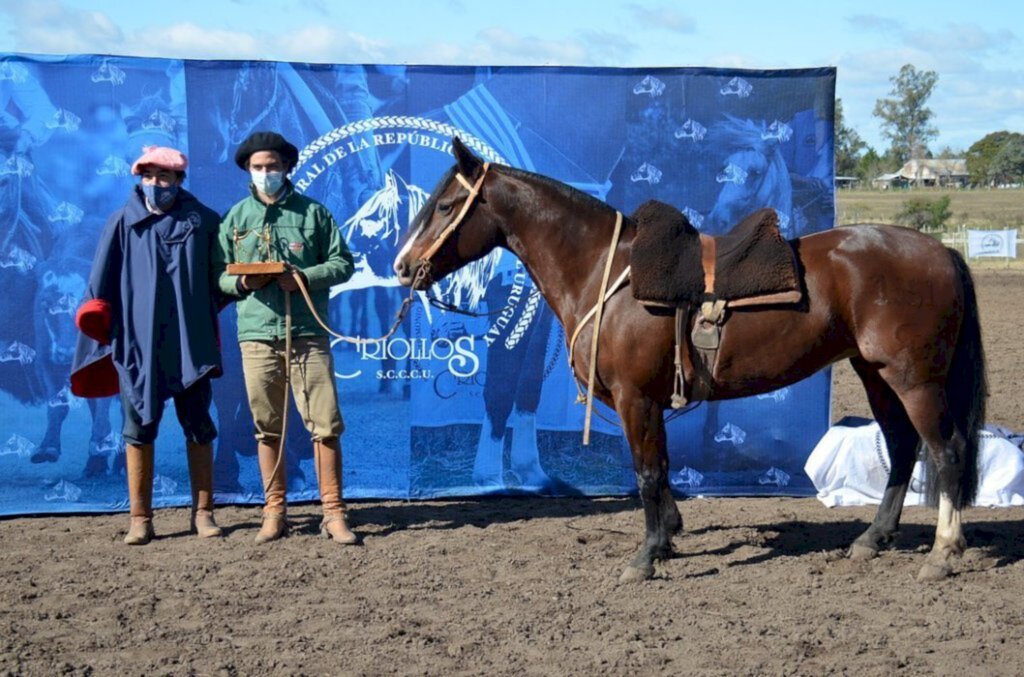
871, 165
905, 117
982, 152
925, 214
1008, 164
848, 144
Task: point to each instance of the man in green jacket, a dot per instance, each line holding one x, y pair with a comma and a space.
275, 223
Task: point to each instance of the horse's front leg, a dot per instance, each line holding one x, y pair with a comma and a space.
99, 438
644, 425
49, 448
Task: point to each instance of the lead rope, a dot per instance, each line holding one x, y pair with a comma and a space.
422, 272
287, 391
597, 327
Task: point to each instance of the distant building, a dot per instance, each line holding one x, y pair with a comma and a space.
947, 172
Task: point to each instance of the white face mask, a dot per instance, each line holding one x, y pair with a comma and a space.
267, 183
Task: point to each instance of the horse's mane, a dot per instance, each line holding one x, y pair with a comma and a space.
428, 206
383, 203
469, 283
574, 195
734, 133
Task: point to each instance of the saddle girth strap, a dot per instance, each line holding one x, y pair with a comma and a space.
679, 382
707, 328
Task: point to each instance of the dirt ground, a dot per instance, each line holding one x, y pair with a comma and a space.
529, 586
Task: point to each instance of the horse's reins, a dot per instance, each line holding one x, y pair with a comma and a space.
596, 311
423, 273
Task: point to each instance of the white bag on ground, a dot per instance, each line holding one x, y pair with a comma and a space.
850, 466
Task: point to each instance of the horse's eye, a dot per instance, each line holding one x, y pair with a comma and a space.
445, 206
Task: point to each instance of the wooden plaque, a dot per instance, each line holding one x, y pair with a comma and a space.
261, 268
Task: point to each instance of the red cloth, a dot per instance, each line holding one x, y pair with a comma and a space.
93, 320
98, 379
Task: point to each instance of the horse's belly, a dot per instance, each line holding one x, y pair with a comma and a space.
764, 350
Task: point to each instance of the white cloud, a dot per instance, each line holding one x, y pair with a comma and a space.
498, 46
49, 26
664, 18
323, 44
189, 41
506, 46
960, 37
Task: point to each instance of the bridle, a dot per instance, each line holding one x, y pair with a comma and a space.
424, 267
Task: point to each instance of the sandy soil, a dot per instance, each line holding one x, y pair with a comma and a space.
521, 586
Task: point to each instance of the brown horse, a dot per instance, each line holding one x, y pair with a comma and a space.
899, 305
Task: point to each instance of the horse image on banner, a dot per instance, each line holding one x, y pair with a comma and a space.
753, 175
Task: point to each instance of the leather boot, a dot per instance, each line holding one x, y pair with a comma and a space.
327, 454
200, 470
139, 469
275, 524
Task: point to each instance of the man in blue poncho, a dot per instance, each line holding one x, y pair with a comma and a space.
149, 328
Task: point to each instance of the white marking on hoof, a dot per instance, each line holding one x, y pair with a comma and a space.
933, 572
635, 575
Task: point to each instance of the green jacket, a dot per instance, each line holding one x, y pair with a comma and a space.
295, 229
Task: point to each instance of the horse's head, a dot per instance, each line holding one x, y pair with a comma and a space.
454, 227
752, 175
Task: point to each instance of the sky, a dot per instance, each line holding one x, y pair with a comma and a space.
975, 47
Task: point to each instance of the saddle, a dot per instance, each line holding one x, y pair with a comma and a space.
675, 266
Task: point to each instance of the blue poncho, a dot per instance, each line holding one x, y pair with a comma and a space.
154, 271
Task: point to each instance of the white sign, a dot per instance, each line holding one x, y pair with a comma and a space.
1001, 243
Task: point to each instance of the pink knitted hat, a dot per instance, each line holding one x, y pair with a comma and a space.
162, 157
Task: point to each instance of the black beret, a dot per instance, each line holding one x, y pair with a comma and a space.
258, 141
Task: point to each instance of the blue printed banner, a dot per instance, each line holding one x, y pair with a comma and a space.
450, 405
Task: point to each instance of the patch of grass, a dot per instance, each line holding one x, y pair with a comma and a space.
975, 208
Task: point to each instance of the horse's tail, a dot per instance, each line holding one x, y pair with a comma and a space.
966, 386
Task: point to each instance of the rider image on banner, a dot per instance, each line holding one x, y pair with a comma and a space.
450, 403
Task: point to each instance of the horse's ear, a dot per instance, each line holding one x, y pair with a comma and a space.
468, 163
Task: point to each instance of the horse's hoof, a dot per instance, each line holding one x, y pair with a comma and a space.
533, 478
96, 466
635, 575
933, 572
862, 552
46, 455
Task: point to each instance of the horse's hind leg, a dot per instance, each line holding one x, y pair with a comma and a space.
99, 451
644, 425
902, 441
926, 405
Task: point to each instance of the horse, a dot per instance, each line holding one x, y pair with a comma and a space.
59, 288
752, 175
898, 304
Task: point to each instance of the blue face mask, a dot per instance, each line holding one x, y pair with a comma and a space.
267, 183
161, 197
